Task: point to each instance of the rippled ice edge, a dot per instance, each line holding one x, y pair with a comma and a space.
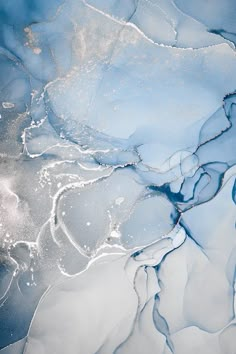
117, 175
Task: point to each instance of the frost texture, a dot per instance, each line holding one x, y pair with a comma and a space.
117, 168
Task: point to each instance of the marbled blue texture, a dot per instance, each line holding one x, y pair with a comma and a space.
117, 172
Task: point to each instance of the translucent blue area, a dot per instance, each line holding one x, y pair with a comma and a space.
117, 171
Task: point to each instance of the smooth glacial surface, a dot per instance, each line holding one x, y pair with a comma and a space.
117, 177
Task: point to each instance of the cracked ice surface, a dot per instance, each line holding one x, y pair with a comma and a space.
117, 171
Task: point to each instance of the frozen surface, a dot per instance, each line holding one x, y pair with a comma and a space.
118, 177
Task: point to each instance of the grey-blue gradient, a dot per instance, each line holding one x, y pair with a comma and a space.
117, 177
